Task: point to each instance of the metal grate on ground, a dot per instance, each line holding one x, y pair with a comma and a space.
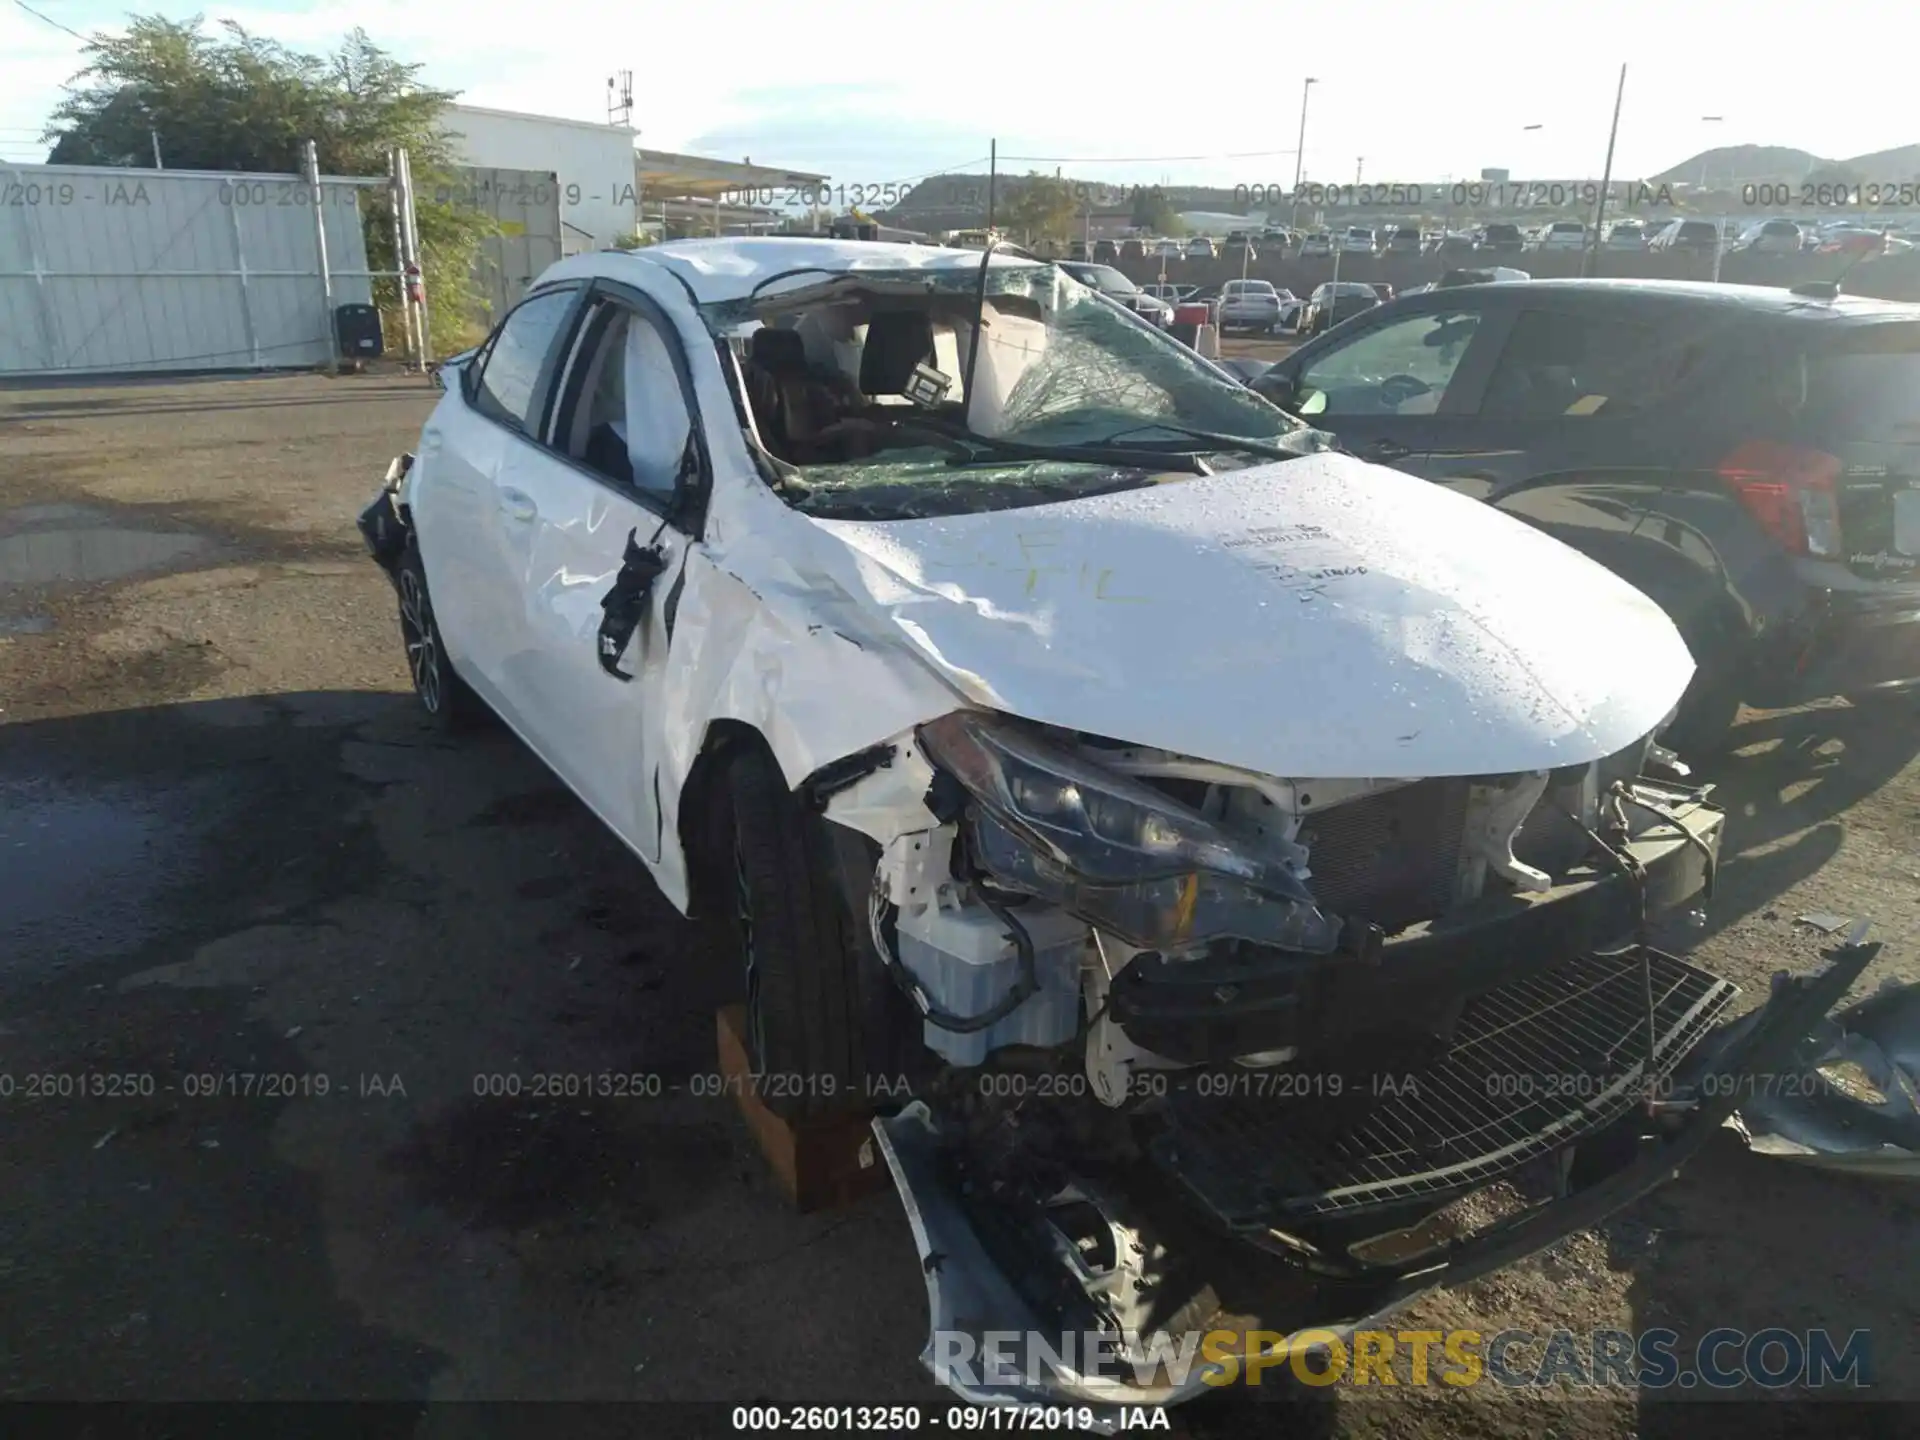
1533, 1065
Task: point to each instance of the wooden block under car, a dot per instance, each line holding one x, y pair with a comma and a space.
820, 1164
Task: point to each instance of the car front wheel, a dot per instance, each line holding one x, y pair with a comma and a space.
446, 698
822, 1019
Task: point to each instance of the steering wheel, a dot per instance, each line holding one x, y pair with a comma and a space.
1396, 390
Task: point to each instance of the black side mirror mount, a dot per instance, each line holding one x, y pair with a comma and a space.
1279, 385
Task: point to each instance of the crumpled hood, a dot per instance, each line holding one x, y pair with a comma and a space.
1320, 617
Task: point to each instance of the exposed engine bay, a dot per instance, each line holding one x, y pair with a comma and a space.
1202, 1032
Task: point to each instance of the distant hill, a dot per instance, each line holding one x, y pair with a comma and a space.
1902, 163
1743, 164
1737, 164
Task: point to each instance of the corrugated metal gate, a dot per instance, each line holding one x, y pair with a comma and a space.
109, 271
525, 205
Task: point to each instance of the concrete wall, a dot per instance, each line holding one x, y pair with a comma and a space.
592, 166
1893, 277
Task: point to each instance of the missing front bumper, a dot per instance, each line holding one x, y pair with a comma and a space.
1258, 1000
1160, 1270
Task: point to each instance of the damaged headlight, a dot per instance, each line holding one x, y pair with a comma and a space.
1116, 851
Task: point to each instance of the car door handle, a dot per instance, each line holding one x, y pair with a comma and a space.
1387, 450
518, 505
430, 442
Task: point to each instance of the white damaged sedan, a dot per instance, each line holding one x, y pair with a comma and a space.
1245, 852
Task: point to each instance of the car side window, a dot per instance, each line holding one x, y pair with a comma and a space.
629, 419
1400, 368
510, 375
1574, 365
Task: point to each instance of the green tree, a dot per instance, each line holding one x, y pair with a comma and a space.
232, 100
1153, 211
1833, 175
1039, 207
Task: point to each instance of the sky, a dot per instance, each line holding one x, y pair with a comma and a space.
870, 93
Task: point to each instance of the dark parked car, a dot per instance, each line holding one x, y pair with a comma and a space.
1105, 250
1449, 247
1335, 301
1503, 239
1122, 291
1698, 237
1747, 456
1133, 250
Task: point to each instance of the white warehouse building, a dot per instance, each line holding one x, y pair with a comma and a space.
592, 165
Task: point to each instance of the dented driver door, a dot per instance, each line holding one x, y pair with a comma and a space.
612, 498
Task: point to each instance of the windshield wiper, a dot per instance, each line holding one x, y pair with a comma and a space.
1272, 449
972, 448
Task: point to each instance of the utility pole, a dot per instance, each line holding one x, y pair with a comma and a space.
993, 178
1300, 150
1606, 178
1359, 167
154, 136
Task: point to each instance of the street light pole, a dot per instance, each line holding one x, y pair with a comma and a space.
1300, 149
1606, 177
1706, 120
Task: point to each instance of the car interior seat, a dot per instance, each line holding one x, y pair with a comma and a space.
897, 341
782, 389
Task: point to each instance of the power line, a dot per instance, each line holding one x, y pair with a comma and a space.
49, 19
1142, 159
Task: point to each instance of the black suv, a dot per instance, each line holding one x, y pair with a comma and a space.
1503, 239
1748, 457
1334, 302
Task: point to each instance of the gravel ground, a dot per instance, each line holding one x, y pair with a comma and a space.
229, 847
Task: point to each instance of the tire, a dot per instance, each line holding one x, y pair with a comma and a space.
822, 1018
1706, 718
450, 704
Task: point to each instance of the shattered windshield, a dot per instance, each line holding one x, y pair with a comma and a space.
865, 389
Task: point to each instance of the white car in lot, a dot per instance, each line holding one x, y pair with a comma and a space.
1201, 247
1170, 250
1358, 240
1046, 720
1253, 305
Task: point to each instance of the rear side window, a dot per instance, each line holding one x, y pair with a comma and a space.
506, 388
1557, 364
1866, 389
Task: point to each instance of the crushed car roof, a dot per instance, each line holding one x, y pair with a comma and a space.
728, 269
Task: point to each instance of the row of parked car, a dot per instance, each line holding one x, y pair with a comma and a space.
733, 537
1261, 307
1776, 236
